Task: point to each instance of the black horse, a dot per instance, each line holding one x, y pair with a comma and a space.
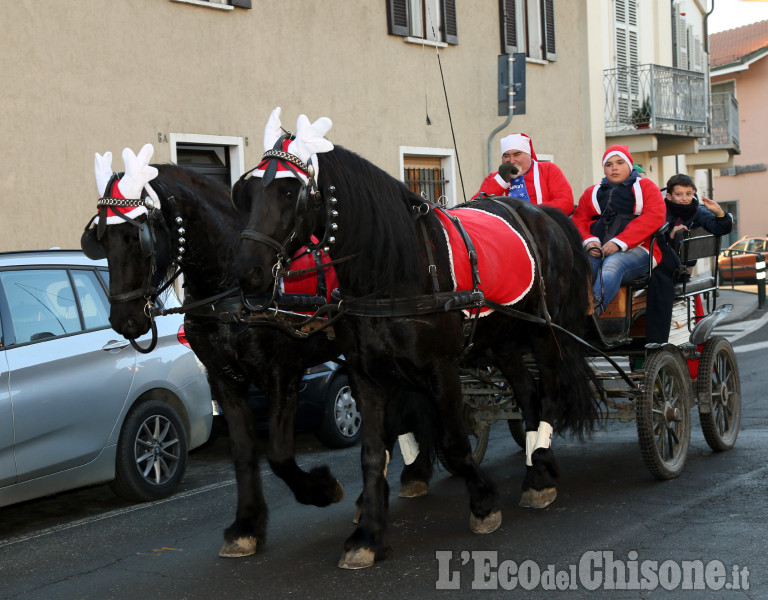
391, 341
199, 210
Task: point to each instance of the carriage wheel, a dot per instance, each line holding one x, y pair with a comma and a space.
719, 391
517, 429
478, 432
663, 414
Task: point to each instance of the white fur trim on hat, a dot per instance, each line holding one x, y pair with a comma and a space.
616, 153
515, 141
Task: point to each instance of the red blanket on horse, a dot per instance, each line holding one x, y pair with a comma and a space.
504, 260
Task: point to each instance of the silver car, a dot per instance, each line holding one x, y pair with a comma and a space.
78, 405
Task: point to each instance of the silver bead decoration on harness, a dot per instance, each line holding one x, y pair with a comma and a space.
182, 240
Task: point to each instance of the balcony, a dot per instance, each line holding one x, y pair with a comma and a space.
654, 99
724, 119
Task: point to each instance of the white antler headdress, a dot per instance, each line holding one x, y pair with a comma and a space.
137, 176
309, 141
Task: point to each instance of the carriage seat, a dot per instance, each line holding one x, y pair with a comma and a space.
696, 244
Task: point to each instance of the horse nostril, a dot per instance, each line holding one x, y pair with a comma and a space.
252, 279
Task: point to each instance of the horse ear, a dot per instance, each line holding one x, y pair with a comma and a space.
236, 196
273, 130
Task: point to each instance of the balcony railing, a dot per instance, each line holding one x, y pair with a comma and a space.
724, 129
655, 97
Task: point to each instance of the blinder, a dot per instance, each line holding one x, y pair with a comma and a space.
93, 248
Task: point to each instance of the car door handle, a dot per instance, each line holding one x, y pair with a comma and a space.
115, 345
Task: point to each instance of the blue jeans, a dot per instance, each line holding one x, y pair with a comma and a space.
616, 269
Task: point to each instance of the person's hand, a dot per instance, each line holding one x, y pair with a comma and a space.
677, 228
611, 248
507, 171
594, 249
713, 206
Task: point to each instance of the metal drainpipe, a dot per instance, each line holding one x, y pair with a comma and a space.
710, 182
510, 113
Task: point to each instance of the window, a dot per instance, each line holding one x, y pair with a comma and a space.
528, 26
212, 161
687, 46
217, 156
431, 171
92, 298
431, 20
221, 4
41, 304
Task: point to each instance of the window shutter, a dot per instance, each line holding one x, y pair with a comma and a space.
450, 30
548, 29
508, 19
680, 38
698, 54
241, 3
397, 17
627, 56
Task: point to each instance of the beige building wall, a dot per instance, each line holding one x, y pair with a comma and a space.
91, 76
748, 190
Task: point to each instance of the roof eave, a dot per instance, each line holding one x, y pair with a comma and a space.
739, 65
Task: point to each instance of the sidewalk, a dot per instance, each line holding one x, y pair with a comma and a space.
744, 302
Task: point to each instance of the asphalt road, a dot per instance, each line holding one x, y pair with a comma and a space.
611, 521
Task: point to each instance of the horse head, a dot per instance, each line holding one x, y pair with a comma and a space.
285, 205
129, 231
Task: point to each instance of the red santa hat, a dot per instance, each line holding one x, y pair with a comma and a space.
518, 141
618, 150
135, 180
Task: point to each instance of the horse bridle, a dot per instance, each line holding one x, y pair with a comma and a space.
309, 198
94, 249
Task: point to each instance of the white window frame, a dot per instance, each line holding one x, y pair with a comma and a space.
206, 4
236, 147
447, 158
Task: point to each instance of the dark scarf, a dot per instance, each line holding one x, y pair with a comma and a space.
684, 212
617, 210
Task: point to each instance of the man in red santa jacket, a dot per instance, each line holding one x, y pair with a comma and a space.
521, 175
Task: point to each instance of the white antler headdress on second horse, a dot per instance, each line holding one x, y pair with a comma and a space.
293, 156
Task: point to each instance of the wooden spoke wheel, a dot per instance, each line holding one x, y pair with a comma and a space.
719, 391
663, 414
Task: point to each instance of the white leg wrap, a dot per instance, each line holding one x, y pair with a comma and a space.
409, 447
544, 436
530, 442
386, 463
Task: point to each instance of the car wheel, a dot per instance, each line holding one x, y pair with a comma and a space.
341, 424
151, 453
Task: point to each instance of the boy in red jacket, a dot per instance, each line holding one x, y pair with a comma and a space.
521, 175
616, 219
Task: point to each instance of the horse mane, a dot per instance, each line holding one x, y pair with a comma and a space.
376, 221
207, 207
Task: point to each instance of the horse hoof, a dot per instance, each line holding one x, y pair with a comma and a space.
360, 558
338, 494
413, 489
244, 546
487, 525
538, 498
358, 514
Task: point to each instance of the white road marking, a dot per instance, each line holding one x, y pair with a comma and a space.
750, 347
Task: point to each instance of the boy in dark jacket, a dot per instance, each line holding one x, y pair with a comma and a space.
684, 212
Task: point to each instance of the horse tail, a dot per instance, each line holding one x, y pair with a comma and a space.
580, 396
